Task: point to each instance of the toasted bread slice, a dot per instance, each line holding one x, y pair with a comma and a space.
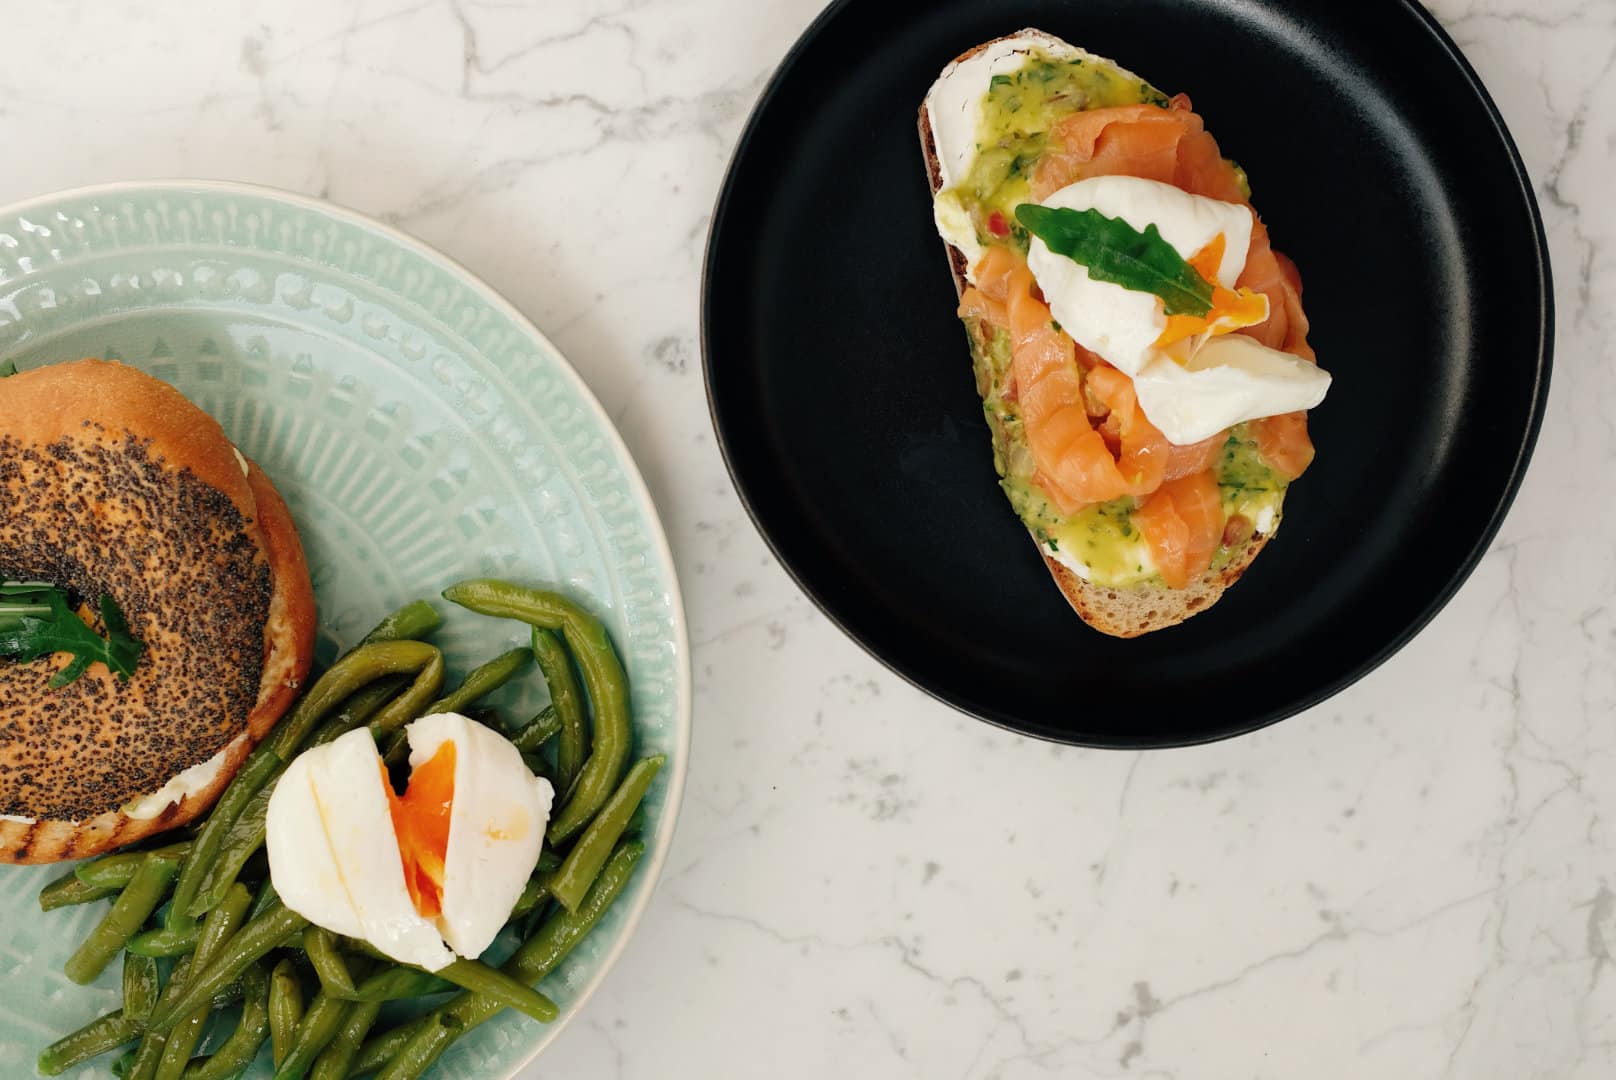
1121, 612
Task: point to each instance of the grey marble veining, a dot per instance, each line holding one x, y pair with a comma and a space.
1413, 880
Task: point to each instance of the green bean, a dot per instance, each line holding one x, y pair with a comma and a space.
358, 709
252, 942
568, 700
244, 838
321, 945
536, 958
260, 766
220, 925
238, 1051
336, 1060
143, 1066
414, 620
320, 1025
116, 871
140, 986
68, 890
540, 730
603, 678
483, 681
537, 889
494, 984
408, 705
359, 668
636, 822
399, 983
590, 852
92, 1040
126, 1060
265, 898
165, 942
133, 907
380, 1049
285, 1009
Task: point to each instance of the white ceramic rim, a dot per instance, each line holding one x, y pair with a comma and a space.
681, 634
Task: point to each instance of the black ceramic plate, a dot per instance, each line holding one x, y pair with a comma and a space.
842, 393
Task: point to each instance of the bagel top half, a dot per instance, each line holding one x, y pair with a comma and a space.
112, 483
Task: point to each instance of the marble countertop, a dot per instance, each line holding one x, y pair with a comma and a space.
1412, 880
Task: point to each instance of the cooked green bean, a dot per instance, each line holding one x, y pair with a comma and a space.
399, 983
494, 984
636, 821
537, 889
336, 1060
568, 701
603, 678
358, 709
92, 1040
143, 1066
536, 958
414, 620
285, 1009
483, 680
380, 1049
244, 837
260, 766
321, 946
266, 897
320, 1025
133, 907
116, 871
68, 890
140, 986
591, 850
359, 668
540, 730
238, 1051
165, 942
252, 942
217, 929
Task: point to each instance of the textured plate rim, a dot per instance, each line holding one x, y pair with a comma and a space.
1425, 21
659, 541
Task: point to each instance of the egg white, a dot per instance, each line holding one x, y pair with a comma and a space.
334, 856
496, 827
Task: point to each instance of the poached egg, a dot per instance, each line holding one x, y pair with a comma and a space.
422, 876
1195, 388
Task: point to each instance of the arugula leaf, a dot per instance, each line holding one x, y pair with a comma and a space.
7, 367
36, 620
1114, 251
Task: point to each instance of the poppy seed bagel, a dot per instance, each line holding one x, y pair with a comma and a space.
112, 483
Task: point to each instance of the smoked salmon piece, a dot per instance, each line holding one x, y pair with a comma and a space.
1183, 524
1076, 464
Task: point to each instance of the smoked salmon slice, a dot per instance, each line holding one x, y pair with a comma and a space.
1183, 524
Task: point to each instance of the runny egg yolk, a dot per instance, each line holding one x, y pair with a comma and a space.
421, 823
1231, 308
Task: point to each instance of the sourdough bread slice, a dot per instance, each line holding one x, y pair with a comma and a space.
1119, 611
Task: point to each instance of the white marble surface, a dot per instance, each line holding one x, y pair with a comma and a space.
1414, 880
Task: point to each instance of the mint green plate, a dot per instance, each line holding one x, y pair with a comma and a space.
421, 430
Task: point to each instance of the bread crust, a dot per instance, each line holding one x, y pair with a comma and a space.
182, 437
1119, 612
